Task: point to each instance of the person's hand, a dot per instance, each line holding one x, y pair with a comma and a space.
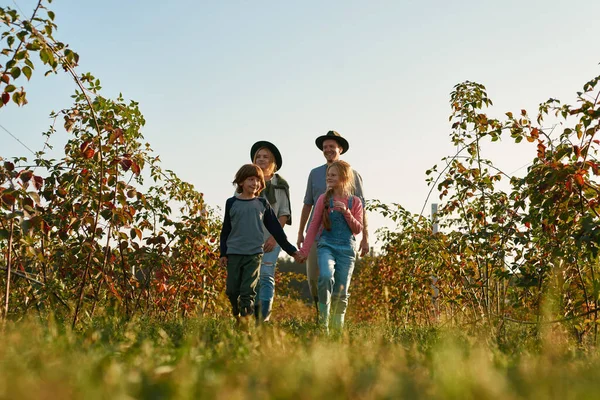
299, 258
270, 244
340, 206
364, 246
223, 261
300, 239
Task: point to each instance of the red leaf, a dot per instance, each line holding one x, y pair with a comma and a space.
8, 199
541, 153
39, 182
87, 149
25, 176
126, 164
135, 168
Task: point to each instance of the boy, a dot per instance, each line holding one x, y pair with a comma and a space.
242, 238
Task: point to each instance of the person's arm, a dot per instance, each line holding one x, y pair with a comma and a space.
364, 243
274, 227
284, 210
303, 220
306, 207
314, 227
226, 228
354, 216
270, 243
284, 215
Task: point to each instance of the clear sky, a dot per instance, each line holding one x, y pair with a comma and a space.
214, 77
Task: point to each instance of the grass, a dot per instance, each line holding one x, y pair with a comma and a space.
209, 358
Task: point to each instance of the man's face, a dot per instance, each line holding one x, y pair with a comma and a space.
331, 150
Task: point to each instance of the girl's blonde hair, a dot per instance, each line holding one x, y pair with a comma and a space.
272, 168
245, 172
347, 183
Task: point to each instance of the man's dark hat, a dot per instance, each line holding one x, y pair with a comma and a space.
263, 143
333, 135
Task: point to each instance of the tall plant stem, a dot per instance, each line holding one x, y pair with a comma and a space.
9, 265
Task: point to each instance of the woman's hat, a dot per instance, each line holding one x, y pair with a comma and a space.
270, 146
333, 135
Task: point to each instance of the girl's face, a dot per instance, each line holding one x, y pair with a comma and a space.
333, 177
251, 186
263, 159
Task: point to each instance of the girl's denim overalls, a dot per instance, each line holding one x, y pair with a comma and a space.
336, 256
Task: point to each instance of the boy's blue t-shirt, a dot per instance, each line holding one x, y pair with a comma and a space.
242, 231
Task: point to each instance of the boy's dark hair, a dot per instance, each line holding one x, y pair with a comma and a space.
247, 171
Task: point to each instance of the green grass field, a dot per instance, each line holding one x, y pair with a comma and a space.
209, 358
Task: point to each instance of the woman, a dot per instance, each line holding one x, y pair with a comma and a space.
277, 192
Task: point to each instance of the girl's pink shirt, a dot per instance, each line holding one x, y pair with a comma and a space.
354, 219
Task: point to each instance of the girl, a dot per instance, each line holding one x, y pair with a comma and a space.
277, 192
337, 218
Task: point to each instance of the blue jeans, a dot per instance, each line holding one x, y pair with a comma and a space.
336, 264
266, 282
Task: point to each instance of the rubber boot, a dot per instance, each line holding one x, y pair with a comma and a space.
257, 309
316, 301
324, 317
337, 322
265, 309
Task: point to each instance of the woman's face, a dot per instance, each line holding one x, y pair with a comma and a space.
263, 159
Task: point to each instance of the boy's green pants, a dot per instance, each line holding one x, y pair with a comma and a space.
242, 278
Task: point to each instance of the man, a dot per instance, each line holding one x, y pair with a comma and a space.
332, 145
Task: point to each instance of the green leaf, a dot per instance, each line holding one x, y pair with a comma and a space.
15, 72
45, 55
21, 35
10, 40
33, 46
4, 234
35, 197
10, 88
26, 225
51, 15
106, 214
27, 72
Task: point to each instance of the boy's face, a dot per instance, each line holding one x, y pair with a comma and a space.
251, 186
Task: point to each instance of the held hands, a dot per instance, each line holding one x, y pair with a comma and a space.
223, 261
299, 258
